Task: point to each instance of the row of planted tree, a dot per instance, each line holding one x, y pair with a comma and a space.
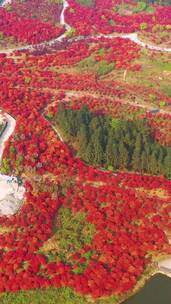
124, 220
113, 143
32, 22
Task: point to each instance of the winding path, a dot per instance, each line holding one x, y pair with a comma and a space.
133, 36
11, 121
8, 207
147, 107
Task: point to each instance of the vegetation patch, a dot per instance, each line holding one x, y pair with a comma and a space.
120, 144
44, 296
73, 232
89, 3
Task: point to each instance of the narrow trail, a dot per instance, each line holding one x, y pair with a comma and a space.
147, 107
9, 208
133, 36
55, 130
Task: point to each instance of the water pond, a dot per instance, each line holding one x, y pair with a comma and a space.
156, 291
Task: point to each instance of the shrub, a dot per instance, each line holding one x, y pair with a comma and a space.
162, 104
141, 6
105, 68
143, 26
88, 62
71, 32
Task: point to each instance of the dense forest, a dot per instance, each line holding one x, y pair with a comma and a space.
112, 143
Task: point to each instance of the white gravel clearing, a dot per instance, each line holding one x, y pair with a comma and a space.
132, 36
11, 194
5, 2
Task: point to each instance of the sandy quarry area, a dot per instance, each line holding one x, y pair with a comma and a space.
11, 193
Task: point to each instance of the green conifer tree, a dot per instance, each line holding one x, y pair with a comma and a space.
136, 156
123, 155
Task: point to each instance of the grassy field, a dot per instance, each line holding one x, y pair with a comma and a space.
40, 296
50, 296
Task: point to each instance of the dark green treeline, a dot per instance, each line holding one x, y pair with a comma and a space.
113, 143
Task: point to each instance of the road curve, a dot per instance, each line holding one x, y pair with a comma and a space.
133, 36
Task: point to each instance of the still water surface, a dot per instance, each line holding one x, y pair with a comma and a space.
156, 291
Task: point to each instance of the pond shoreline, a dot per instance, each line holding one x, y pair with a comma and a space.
144, 280
155, 291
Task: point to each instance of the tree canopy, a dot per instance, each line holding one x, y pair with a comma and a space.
118, 144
